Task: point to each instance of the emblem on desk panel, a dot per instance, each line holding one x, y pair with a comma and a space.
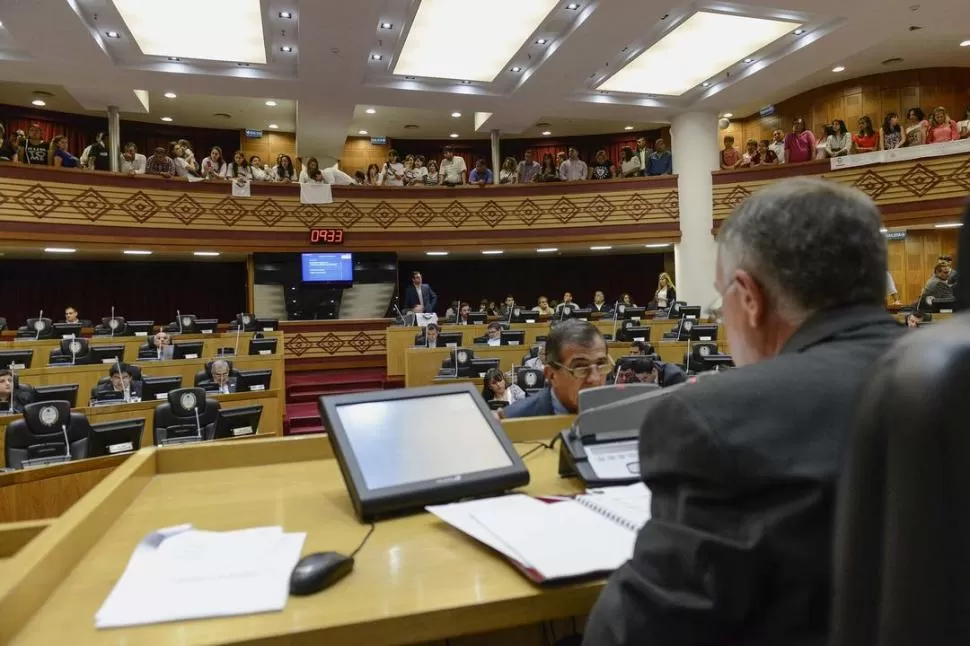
246, 320
186, 321
75, 346
48, 415
113, 324
531, 379
688, 324
188, 400
462, 356
39, 325
704, 350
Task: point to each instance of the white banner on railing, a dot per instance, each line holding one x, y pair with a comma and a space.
908, 153
316, 194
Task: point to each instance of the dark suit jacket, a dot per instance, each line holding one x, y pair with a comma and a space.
536, 405
411, 298
743, 466
605, 308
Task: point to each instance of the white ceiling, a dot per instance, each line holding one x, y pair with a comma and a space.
324, 84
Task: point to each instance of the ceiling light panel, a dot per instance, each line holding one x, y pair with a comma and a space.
509, 24
689, 45
152, 24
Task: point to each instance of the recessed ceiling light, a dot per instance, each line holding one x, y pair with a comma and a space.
166, 119
205, 253
436, 253
39, 102
59, 250
152, 24
170, 95
453, 135
492, 252
273, 126
286, 48
516, 69
370, 111
949, 225
286, 15
651, 71
798, 32
965, 43
361, 132
542, 41
706, 84
547, 249
174, 59
838, 68
271, 103
628, 127
387, 25
137, 252
509, 23
456, 115
727, 115
605, 247
112, 34
377, 57
546, 133
749, 60
657, 245
572, 6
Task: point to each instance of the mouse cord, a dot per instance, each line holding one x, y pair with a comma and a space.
363, 542
537, 446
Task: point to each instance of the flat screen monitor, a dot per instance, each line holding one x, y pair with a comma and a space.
187, 350
267, 325
141, 328
158, 387
583, 314
703, 333
262, 346
449, 339
523, 315
237, 422
17, 359
329, 268
690, 311
400, 450
632, 333
112, 438
106, 353
476, 318
630, 312
206, 326
56, 392
478, 367
109, 396
251, 380
513, 337
719, 361
66, 330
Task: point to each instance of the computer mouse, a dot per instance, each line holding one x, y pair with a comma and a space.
319, 570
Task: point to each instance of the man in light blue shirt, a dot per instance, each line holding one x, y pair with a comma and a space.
661, 162
480, 174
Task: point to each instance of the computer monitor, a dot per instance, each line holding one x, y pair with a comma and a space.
187, 350
158, 387
267, 325
524, 315
102, 397
400, 450
631, 333
449, 339
106, 353
262, 346
478, 367
141, 328
477, 318
690, 311
111, 438
56, 392
206, 326
513, 337
237, 422
249, 380
630, 312
703, 333
66, 330
718, 362
17, 359
583, 314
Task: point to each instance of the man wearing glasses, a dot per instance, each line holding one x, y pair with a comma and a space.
576, 358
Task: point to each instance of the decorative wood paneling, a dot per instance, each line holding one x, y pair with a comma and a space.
911, 260
345, 342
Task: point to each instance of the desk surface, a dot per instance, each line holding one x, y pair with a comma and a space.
415, 580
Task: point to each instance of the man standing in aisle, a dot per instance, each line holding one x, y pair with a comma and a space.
419, 297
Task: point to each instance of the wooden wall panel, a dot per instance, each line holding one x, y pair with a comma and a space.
911, 261
359, 152
268, 147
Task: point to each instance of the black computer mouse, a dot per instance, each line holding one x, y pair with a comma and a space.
319, 570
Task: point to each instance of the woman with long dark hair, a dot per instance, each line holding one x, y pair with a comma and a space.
214, 166
549, 171
916, 127
838, 142
283, 171
892, 132
495, 387
867, 140
373, 175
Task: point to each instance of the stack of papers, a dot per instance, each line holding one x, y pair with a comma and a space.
182, 573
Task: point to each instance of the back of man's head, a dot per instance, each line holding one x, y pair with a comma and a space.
570, 332
812, 244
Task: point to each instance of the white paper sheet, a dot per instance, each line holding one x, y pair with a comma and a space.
241, 189
316, 194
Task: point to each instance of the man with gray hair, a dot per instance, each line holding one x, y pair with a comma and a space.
742, 465
221, 372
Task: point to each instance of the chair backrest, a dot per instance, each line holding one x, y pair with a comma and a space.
177, 411
41, 433
3, 324
42, 328
76, 347
902, 532
529, 379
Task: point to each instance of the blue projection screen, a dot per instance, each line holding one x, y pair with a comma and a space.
328, 267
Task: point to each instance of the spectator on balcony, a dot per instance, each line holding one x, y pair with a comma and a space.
392, 172
177, 154
239, 168
666, 291
408, 178
9, 148
433, 178
333, 175
160, 164
730, 157
186, 153
132, 161
837, 143
643, 155
283, 171
867, 140
481, 174
574, 168
800, 143
34, 151
529, 169
96, 156
777, 146
941, 127
916, 127
509, 173
59, 155
892, 132
452, 167
602, 167
256, 169
766, 154
310, 169
549, 171
630, 165
661, 162
963, 127
419, 172
373, 175
214, 166
750, 158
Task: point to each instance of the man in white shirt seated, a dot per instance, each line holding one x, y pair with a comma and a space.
567, 301
132, 162
493, 335
538, 361
543, 307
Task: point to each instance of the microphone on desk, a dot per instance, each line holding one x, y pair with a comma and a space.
178, 318
13, 384
40, 320
235, 350
616, 313
112, 323
73, 345
198, 424
67, 443
125, 388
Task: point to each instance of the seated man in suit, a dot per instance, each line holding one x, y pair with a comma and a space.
576, 358
71, 316
462, 317
599, 303
651, 370
221, 377
742, 465
430, 337
163, 345
493, 334
419, 297
120, 380
12, 400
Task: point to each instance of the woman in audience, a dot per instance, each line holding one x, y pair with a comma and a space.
837, 143
59, 155
866, 140
509, 172
214, 166
602, 167
239, 169
730, 157
176, 153
766, 153
392, 173
373, 175
916, 127
8, 151
309, 169
256, 169
892, 132
408, 177
941, 127
283, 171
190, 162
432, 178
626, 301
963, 127
496, 388
630, 164
549, 171
419, 172
800, 143
666, 291
751, 156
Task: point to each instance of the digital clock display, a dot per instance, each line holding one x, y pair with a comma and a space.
326, 236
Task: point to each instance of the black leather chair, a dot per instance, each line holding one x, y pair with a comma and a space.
112, 326
77, 351
175, 420
247, 321
3, 324
185, 324
204, 377
696, 359
902, 533
40, 434
531, 354
36, 328
530, 380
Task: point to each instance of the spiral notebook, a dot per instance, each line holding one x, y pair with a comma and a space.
558, 538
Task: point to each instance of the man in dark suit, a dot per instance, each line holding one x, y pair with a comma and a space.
743, 464
419, 297
119, 379
576, 358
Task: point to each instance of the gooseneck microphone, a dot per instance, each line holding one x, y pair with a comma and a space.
67, 443
178, 318
198, 424
112, 323
39, 326
616, 313
235, 350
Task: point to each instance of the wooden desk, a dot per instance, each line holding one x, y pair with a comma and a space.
213, 343
399, 339
415, 580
